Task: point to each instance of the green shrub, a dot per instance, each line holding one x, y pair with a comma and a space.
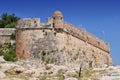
10, 55
11, 25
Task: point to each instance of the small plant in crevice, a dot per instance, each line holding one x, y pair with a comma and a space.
42, 78
13, 37
43, 53
87, 72
45, 33
53, 50
43, 56
48, 60
60, 75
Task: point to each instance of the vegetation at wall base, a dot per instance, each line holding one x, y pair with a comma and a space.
9, 54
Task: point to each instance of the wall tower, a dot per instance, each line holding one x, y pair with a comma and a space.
58, 20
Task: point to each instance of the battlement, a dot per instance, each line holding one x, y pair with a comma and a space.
34, 23
29, 23
86, 36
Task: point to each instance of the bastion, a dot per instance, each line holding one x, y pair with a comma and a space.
60, 43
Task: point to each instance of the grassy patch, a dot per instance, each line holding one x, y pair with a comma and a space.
42, 78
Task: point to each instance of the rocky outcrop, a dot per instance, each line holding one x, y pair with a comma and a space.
31, 70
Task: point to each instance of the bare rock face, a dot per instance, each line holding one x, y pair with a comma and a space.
110, 78
33, 78
71, 78
20, 71
2, 75
2, 60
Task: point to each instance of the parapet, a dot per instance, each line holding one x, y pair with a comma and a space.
87, 37
7, 31
57, 22
5, 34
49, 23
29, 23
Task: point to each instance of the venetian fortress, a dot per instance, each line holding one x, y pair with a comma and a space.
57, 42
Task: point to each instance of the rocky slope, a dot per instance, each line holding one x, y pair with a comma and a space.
30, 70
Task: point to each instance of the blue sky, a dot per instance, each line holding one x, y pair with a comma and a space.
100, 17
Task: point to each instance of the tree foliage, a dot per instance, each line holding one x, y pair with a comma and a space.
8, 21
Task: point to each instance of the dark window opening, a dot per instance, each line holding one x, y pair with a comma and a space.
53, 25
98, 43
55, 33
34, 21
23, 51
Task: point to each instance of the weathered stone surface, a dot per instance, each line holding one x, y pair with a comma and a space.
16, 79
2, 74
5, 34
29, 23
6, 31
2, 59
71, 73
71, 78
33, 78
20, 71
110, 78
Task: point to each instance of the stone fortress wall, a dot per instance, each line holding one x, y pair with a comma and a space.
74, 31
63, 42
29, 23
5, 34
86, 36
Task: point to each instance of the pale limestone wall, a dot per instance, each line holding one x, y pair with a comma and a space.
60, 48
75, 50
7, 31
78, 33
30, 41
5, 34
49, 23
85, 36
29, 23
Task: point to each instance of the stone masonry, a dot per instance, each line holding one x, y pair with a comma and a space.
5, 34
59, 43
